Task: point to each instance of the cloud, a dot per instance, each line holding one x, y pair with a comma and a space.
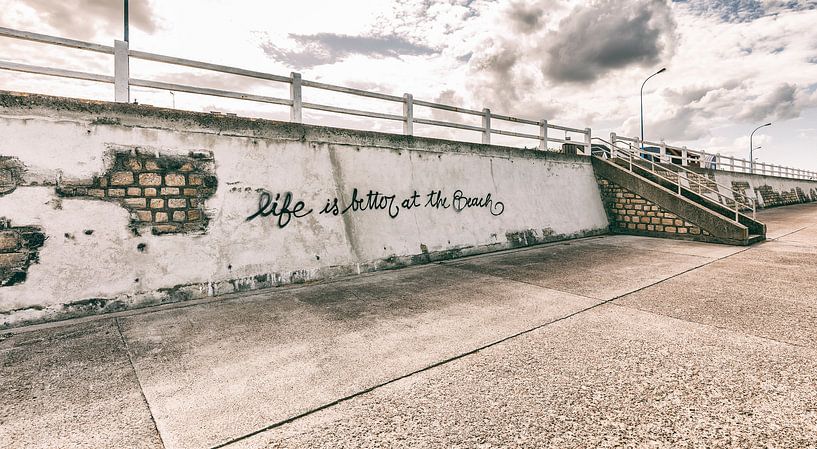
329, 48
780, 104
606, 35
525, 18
83, 19
739, 11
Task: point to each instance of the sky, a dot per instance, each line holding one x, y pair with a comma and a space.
731, 64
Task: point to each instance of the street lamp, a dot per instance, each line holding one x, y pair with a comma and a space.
126, 22
664, 69
751, 146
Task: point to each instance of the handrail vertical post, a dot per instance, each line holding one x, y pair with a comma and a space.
295, 94
588, 141
408, 115
486, 126
121, 70
612, 145
662, 155
684, 157
543, 135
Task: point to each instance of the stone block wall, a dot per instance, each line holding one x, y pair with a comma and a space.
165, 193
632, 214
19, 248
773, 198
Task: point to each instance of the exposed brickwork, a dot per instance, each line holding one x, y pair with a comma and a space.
11, 171
19, 248
631, 214
163, 192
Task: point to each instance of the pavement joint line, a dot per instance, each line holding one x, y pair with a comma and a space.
138, 381
714, 326
788, 233
458, 356
404, 376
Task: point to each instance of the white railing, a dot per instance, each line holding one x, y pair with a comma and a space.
686, 157
123, 82
636, 157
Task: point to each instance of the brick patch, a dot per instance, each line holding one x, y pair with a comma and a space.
632, 214
163, 192
19, 248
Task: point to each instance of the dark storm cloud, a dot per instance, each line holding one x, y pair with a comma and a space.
606, 35
328, 48
83, 19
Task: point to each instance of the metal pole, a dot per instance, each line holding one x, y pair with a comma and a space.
127, 34
752, 148
642, 104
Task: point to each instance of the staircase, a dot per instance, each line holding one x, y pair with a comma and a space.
722, 214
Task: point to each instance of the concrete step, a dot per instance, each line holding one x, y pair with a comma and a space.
755, 238
698, 196
714, 220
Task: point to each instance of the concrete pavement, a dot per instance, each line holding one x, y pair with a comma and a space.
608, 341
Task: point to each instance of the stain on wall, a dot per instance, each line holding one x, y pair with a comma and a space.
773, 198
19, 248
11, 174
163, 192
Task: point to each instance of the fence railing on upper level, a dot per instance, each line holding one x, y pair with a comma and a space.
686, 157
542, 135
122, 83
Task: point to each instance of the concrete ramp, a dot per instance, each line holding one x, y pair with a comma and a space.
638, 205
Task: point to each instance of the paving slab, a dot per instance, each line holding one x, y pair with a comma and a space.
588, 267
685, 247
71, 387
216, 372
609, 377
769, 290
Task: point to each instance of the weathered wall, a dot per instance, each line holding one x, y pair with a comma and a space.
137, 205
769, 191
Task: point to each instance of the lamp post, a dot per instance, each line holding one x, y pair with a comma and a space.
663, 69
126, 22
752, 147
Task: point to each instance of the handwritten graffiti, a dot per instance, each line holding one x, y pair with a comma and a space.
285, 208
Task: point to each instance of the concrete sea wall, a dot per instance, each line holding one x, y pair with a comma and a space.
769, 191
105, 207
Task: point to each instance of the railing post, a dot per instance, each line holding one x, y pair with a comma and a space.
612, 145
121, 70
684, 157
486, 126
296, 110
408, 115
662, 152
543, 135
588, 141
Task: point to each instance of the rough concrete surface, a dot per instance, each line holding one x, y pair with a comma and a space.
71, 387
600, 342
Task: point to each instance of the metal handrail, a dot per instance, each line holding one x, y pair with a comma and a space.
735, 193
633, 157
691, 179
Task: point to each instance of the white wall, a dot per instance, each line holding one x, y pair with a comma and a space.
545, 197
